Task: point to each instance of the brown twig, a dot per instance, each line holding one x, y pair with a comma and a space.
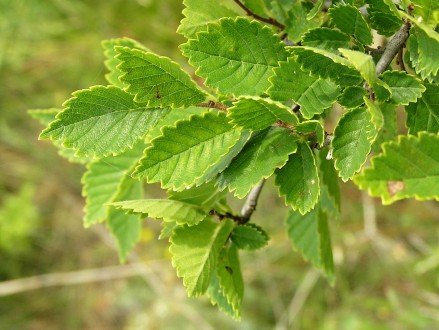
212, 104
400, 60
270, 21
393, 48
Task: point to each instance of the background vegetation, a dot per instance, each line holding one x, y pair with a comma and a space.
387, 278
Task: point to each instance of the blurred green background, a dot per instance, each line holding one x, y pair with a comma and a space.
387, 278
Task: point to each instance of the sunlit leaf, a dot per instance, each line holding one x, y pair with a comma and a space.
184, 153
195, 251
298, 180
352, 141
169, 210
199, 13
101, 121
264, 152
312, 93
349, 19
408, 168
157, 80
236, 56
257, 113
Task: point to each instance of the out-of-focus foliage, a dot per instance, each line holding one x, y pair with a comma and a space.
387, 282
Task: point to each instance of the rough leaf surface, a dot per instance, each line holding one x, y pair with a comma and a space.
312, 93
169, 210
101, 121
424, 115
157, 80
408, 168
298, 180
310, 236
349, 19
184, 153
236, 56
265, 151
352, 142
256, 113
195, 251
249, 237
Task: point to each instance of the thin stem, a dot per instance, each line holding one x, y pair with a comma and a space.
392, 48
400, 60
251, 202
72, 278
212, 104
270, 21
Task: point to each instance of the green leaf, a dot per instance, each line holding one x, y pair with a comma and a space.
312, 93
352, 142
266, 151
169, 210
405, 88
424, 115
325, 64
427, 10
230, 278
412, 58
195, 252
102, 180
199, 13
218, 298
206, 195
349, 19
225, 161
383, 17
249, 237
167, 229
389, 128
352, 97
428, 48
236, 56
256, 113
376, 115
157, 80
363, 63
298, 180
408, 168
329, 180
45, 117
184, 153
101, 121
294, 16
171, 118
124, 227
315, 10
311, 127
327, 39
112, 62
310, 236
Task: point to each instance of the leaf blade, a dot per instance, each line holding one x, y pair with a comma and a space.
235, 56
182, 154
101, 121
157, 80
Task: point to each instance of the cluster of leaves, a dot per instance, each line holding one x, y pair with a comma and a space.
272, 72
